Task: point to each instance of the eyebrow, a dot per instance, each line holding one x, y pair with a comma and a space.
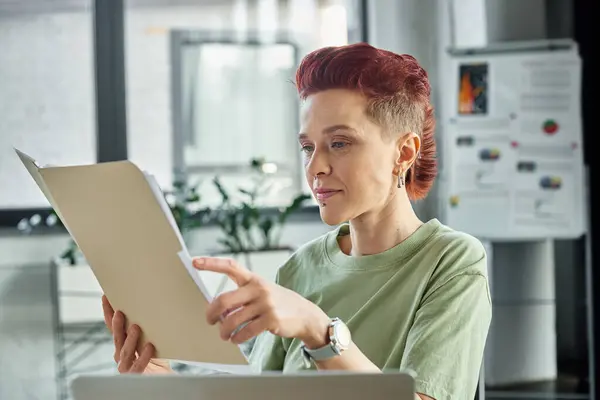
331, 129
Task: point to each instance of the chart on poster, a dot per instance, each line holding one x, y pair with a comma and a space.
513, 145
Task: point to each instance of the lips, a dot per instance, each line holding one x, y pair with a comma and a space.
323, 194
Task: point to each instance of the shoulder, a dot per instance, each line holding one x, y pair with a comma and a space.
455, 253
458, 249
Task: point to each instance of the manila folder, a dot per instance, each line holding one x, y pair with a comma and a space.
142, 265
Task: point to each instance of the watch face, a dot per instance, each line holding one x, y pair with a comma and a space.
342, 335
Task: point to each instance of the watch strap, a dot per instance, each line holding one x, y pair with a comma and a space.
322, 353
330, 350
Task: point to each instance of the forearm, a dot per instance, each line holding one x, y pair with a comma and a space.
352, 359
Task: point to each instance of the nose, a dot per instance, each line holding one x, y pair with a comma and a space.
318, 164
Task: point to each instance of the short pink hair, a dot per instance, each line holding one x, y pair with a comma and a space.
398, 94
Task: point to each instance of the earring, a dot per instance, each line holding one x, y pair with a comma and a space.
400, 180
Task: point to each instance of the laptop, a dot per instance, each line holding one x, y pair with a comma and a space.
308, 385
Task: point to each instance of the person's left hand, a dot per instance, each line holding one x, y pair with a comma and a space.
261, 306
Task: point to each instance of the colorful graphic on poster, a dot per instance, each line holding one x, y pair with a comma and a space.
473, 89
550, 127
489, 154
551, 182
514, 156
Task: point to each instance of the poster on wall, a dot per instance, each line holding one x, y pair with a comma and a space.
513, 145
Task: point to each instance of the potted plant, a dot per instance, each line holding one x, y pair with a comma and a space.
250, 233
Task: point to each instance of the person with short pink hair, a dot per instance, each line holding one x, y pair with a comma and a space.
383, 290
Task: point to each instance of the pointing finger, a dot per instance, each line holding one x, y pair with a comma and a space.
228, 266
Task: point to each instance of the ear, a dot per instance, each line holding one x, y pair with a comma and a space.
408, 147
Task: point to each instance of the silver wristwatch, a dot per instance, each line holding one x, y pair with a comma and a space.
340, 339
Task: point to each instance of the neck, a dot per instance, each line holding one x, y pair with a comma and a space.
378, 231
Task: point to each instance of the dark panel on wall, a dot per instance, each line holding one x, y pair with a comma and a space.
585, 28
109, 46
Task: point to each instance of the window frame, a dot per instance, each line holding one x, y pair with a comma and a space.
178, 40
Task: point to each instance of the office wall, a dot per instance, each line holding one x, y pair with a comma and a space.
478, 23
411, 27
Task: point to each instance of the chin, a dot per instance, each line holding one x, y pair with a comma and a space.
332, 216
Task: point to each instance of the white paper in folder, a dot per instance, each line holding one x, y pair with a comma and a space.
120, 220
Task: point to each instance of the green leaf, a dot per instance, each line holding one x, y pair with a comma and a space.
246, 192
257, 163
228, 244
233, 228
193, 198
179, 184
249, 214
222, 191
266, 225
295, 205
70, 254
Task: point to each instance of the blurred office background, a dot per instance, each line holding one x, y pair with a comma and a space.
191, 90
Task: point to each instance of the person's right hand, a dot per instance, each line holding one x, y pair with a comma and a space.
126, 343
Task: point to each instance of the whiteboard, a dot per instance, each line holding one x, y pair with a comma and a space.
46, 99
513, 145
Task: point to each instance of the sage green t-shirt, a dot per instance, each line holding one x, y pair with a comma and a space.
423, 305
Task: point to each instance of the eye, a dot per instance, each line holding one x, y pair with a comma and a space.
307, 148
338, 145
